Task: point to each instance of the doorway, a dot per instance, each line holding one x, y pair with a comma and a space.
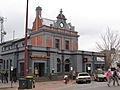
88, 68
39, 69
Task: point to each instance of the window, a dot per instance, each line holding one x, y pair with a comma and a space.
67, 65
10, 63
23, 44
67, 45
2, 48
57, 43
7, 64
21, 69
4, 64
58, 65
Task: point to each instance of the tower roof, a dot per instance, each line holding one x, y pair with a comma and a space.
61, 16
38, 8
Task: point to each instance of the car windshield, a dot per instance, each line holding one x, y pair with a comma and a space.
100, 71
83, 74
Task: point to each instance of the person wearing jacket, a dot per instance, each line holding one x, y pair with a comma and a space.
109, 77
115, 77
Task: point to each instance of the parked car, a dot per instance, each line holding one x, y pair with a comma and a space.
83, 77
99, 75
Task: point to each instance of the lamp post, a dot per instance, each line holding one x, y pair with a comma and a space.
11, 69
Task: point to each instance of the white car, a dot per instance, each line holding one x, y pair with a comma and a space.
99, 75
83, 77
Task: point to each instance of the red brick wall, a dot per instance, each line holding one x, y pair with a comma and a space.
48, 42
39, 40
33, 41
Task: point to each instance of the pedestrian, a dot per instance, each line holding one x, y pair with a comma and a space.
2, 76
115, 77
74, 75
109, 77
14, 76
66, 79
6, 76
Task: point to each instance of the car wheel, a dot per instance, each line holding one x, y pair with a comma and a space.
89, 81
98, 79
77, 82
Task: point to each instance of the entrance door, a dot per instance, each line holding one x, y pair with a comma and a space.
88, 68
39, 69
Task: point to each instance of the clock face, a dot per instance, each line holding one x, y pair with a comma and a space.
61, 24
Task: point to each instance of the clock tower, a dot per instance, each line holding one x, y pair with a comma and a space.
61, 21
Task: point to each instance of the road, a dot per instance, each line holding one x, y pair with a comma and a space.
92, 86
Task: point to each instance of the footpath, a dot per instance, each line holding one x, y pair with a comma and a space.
49, 85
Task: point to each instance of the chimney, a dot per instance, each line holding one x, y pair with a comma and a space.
38, 15
38, 11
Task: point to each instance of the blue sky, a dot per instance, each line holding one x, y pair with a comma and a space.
90, 17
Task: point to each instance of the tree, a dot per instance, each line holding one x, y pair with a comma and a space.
110, 46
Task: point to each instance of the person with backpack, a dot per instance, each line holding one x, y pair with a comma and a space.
115, 77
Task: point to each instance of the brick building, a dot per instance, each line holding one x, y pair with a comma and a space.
52, 48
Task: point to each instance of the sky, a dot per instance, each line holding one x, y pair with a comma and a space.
90, 17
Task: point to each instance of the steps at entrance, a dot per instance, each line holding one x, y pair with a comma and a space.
41, 79
46, 78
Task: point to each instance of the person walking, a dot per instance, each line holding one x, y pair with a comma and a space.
2, 76
74, 75
115, 77
109, 77
66, 79
6, 76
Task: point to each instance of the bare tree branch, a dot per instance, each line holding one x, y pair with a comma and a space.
110, 42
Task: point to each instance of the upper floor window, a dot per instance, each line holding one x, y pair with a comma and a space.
67, 45
23, 44
57, 43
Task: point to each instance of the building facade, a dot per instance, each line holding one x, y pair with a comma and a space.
52, 48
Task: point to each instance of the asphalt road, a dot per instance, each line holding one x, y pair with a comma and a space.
92, 86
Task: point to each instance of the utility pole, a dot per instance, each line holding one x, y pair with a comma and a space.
26, 46
2, 30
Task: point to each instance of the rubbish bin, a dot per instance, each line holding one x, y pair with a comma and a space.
22, 83
25, 83
29, 80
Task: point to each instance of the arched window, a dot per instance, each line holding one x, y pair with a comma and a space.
67, 65
58, 65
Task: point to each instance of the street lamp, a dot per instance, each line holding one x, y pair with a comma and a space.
11, 69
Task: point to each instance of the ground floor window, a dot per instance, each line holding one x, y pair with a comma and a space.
58, 65
67, 65
21, 69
